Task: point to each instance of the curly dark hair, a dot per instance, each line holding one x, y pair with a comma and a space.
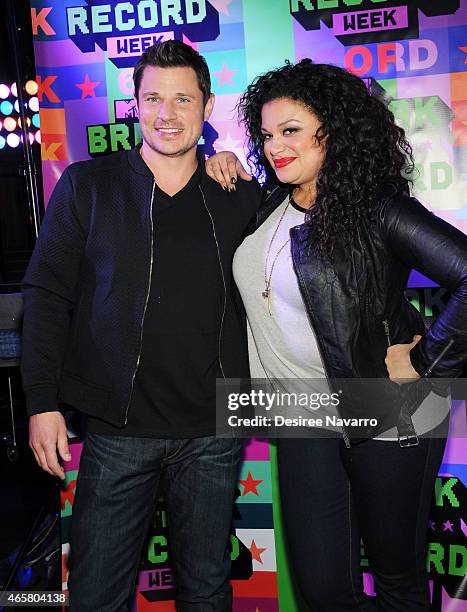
364, 148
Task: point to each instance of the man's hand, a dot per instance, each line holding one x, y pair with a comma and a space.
225, 168
47, 433
398, 363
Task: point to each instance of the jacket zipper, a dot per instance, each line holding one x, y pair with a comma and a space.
429, 371
386, 332
223, 280
271, 192
345, 436
145, 303
258, 212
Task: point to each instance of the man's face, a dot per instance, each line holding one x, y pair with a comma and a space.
171, 110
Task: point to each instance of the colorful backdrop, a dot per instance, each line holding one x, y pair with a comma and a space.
413, 52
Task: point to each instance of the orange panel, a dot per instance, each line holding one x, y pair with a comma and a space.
458, 86
52, 121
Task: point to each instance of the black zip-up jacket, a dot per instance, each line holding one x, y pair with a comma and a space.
87, 284
356, 305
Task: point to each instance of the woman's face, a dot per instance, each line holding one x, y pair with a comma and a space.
290, 143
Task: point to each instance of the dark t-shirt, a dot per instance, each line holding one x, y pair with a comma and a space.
174, 388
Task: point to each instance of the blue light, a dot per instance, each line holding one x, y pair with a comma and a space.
36, 120
6, 107
2, 142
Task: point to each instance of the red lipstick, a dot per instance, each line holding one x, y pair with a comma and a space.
280, 162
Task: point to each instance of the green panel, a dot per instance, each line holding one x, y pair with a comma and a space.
70, 476
389, 85
233, 62
119, 85
259, 471
289, 600
269, 39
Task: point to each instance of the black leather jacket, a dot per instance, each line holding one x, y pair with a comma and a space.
357, 305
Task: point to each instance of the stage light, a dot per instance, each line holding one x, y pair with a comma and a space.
16, 106
28, 121
4, 91
14, 90
30, 138
34, 104
2, 142
13, 140
36, 121
31, 87
9, 124
38, 136
6, 107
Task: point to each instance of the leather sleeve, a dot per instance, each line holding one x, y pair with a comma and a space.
49, 297
428, 244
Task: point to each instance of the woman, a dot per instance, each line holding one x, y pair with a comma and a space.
322, 276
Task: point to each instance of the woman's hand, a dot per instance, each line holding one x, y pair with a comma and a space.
398, 363
225, 168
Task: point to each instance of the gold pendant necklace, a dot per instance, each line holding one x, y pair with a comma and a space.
267, 293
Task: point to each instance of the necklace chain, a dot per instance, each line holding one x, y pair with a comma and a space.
268, 276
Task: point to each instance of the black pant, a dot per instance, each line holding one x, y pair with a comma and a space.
333, 496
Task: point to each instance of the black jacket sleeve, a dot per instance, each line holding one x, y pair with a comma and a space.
439, 251
49, 297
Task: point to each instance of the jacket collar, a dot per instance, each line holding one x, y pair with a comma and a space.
137, 162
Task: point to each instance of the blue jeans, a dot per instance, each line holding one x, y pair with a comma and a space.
115, 497
376, 491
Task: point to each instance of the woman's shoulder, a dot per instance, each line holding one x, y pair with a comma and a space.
393, 187
392, 196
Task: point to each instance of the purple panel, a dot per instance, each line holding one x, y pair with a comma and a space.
51, 172
418, 280
64, 53
79, 114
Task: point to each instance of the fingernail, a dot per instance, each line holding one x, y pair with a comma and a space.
233, 180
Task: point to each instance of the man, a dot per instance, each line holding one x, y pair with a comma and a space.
130, 317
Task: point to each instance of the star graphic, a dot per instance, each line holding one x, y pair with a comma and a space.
225, 75
221, 6
88, 87
464, 49
448, 526
463, 528
256, 552
228, 144
250, 485
432, 525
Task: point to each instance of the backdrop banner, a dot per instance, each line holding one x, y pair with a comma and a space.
414, 52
